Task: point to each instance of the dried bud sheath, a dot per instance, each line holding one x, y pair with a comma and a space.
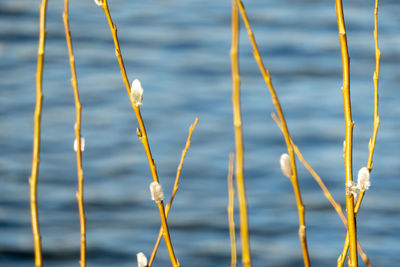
352, 189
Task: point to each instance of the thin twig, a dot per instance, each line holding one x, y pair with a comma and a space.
372, 141
230, 209
167, 238
325, 190
33, 179
237, 123
342, 256
294, 179
78, 109
317, 178
371, 145
175, 189
348, 156
141, 131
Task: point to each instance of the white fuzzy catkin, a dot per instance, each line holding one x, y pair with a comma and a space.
156, 191
137, 92
285, 165
99, 2
141, 259
82, 144
363, 179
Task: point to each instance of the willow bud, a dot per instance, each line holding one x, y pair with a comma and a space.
141, 259
363, 179
156, 191
137, 92
99, 2
285, 165
82, 144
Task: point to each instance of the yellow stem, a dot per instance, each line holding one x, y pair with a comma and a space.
237, 123
33, 179
371, 145
78, 108
351, 222
325, 190
317, 178
372, 141
141, 131
342, 256
275, 101
166, 235
230, 209
175, 189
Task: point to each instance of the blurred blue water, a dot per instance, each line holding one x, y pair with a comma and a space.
180, 52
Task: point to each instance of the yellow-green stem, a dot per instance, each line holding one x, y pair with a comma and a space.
372, 141
166, 235
348, 156
230, 209
327, 194
294, 179
175, 189
237, 123
78, 110
141, 131
33, 179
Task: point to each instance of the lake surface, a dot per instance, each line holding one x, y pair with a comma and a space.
180, 52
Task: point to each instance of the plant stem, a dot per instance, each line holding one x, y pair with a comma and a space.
230, 209
78, 110
325, 190
33, 179
175, 189
237, 123
351, 222
372, 141
166, 235
371, 145
141, 131
294, 179
317, 178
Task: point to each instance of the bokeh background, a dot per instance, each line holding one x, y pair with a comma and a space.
180, 52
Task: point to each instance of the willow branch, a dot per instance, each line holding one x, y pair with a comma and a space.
325, 190
348, 156
78, 109
237, 123
230, 209
372, 141
33, 179
166, 234
371, 145
314, 174
294, 179
141, 131
174, 190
